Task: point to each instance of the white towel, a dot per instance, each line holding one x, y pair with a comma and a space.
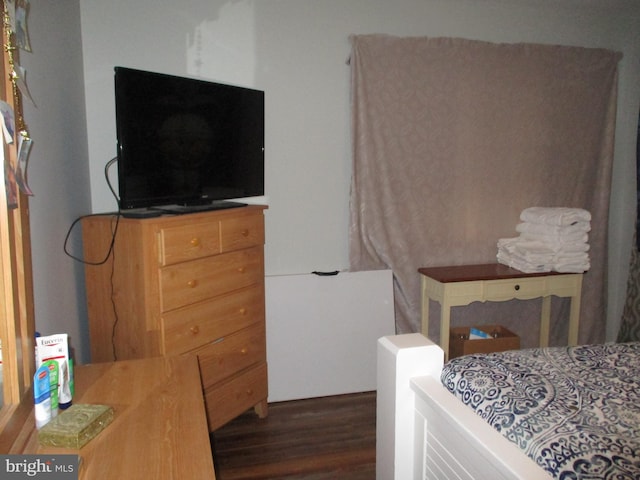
551, 239
571, 267
555, 240
533, 256
559, 216
537, 258
554, 230
565, 257
520, 264
536, 247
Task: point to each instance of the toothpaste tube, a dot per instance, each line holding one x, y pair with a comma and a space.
42, 396
52, 365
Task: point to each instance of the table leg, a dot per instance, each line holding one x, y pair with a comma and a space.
445, 319
425, 308
574, 319
545, 320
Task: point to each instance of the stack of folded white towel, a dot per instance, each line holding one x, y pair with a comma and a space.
551, 239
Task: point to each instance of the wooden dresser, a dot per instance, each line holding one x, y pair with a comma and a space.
184, 285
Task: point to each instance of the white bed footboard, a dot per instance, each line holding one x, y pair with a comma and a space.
424, 432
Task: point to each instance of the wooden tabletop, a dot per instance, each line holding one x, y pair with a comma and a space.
159, 429
470, 273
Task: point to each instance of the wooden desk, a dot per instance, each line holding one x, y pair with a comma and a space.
463, 284
159, 428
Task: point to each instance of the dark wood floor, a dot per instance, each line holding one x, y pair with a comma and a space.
311, 439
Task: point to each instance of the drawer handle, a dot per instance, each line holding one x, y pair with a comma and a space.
517, 287
249, 391
241, 269
195, 329
245, 233
243, 311
192, 283
195, 242
244, 350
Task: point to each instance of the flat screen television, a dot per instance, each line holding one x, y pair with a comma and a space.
186, 142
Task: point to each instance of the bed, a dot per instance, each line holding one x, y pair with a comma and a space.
425, 431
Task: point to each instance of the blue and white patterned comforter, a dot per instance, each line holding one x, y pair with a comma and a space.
574, 410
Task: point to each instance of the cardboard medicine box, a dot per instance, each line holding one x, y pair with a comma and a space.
501, 339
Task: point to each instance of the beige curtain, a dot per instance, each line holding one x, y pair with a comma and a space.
453, 138
630, 326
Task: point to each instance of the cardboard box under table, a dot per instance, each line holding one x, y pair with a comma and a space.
501, 339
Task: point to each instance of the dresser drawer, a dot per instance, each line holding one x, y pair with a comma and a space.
229, 399
180, 243
191, 327
522, 288
460, 290
232, 354
199, 280
241, 232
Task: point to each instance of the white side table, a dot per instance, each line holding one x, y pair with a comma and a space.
462, 284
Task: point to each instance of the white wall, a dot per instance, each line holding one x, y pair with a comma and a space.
58, 167
296, 50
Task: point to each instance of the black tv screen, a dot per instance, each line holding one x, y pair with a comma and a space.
183, 141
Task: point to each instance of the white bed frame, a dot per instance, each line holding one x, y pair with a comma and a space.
424, 432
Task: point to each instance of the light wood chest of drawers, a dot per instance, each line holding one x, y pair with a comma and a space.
184, 285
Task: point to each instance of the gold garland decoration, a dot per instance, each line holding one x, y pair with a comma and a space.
11, 50
15, 167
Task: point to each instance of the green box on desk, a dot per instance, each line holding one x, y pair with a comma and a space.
502, 339
75, 426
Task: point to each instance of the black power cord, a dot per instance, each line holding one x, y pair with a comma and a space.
110, 251
115, 230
